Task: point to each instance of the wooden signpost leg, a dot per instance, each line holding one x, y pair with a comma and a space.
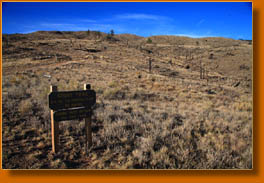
54, 127
88, 125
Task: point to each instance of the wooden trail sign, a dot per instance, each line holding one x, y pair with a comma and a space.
78, 113
70, 105
71, 99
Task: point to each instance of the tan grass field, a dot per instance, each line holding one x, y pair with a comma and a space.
167, 119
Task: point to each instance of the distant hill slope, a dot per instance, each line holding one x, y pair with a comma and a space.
228, 56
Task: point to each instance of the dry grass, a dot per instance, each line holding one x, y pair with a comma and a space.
169, 119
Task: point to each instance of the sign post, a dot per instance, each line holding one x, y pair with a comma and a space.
54, 126
70, 105
88, 124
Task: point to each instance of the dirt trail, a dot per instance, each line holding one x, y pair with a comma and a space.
9, 70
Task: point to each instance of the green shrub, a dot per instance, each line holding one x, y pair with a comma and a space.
112, 33
149, 40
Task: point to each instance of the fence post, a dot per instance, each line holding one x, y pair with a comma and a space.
207, 78
54, 127
201, 69
88, 124
150, 60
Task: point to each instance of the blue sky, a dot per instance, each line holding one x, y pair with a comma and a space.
193, 19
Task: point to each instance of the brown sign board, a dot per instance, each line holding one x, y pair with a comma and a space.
71, 114
72, 99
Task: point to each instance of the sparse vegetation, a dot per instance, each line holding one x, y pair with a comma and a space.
169, 119
149, 40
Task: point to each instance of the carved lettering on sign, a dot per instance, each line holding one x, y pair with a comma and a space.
72, 114
71, 99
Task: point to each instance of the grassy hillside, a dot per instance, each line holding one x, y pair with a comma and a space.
170, 118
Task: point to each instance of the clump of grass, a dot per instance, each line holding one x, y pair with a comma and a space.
114, 94
243, 106
113, 84
16, 79
25, 107
56, 163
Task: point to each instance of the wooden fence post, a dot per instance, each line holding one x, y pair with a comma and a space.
201, 69
150, 65
207, 78
88, 124
54, 127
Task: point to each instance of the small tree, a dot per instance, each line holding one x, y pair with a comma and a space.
112, 33
88, 32
149, 40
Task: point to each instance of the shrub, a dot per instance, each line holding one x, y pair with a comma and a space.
113, 84
114, 94
211, 56
149, 40
243, 67
112, 33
